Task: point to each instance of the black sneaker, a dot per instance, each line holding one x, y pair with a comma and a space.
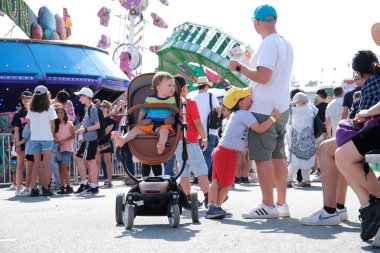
370, 218
237, 180
46, 192
69, 190
34, 193
195, 180
82, 188
92, 190
61, 190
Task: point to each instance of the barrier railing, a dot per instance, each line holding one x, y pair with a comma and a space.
5, 165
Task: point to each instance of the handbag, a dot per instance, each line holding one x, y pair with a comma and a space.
213, 120
348, 129
319, 127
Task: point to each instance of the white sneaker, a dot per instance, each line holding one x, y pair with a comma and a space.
317, 178
18, 192
376, 239
12, 187
321, 218
283, 210
262, 212
342, 214
25, 192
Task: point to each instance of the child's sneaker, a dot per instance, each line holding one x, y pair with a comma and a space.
226, 214
215, 213
321, 218
283, 210
262, 212
342, 214
69, 190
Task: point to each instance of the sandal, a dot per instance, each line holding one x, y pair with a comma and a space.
160, 148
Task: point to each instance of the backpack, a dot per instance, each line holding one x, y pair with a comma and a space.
102, 130
213, 120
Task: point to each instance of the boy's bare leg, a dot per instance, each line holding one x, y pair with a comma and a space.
131, 135
213, 193
222, 194
164, 134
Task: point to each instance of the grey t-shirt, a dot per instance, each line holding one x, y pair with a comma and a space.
235, 135
89, 121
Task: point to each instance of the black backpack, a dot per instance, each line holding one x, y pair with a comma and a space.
102, 130
213, 120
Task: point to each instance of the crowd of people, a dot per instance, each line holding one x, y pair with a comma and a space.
259, 125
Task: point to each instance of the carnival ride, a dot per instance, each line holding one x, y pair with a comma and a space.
195, 50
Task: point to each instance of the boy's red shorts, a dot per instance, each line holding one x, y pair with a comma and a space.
224, 165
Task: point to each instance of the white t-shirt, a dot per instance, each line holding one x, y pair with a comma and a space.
40, 124
203, 102
334, 112
276, 54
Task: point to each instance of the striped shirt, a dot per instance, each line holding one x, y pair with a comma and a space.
158, 114
370, 93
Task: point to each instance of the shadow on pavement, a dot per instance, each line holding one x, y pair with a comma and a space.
161, 232
293, 226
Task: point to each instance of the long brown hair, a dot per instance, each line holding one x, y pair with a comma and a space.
39, 103
58, 107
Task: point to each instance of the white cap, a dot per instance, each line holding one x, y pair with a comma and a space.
299, 97
39, 90
85, 91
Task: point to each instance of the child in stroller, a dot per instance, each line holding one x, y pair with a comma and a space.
157, 121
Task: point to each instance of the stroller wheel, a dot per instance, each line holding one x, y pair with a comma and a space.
119, 207
129, 216
174, 215
194, 207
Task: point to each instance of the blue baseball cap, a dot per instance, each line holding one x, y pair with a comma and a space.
265, 13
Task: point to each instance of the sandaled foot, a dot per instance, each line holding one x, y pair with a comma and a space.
118, 139
160, 148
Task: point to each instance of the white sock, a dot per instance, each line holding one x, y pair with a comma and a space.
83, 182
93, 185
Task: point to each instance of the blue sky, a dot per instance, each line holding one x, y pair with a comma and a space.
324, 33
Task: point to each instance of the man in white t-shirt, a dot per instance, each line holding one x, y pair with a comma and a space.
334, 112
203, 101
269, 71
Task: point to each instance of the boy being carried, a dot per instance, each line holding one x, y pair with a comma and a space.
154, 120
234, 139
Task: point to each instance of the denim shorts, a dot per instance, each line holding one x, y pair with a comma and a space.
195, 162
66, 157
40, 146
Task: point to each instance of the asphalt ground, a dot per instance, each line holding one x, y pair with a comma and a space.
87, 224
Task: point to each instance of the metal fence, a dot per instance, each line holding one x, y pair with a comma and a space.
5, 164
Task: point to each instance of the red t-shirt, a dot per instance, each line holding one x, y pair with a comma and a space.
192, 114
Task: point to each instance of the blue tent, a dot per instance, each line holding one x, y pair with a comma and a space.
24, 64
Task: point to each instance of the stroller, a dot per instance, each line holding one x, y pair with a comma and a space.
161, 195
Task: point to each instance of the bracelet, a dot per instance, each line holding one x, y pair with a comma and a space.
273, 119
204, 139
85, 130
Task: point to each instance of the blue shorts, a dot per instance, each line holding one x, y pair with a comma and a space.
40, 146
195, 162
65, 157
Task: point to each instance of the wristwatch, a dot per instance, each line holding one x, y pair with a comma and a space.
85, 130
273, 119
238, 68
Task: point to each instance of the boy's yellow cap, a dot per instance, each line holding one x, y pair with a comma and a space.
234, 94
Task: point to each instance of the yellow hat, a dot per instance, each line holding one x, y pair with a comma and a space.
234, 94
